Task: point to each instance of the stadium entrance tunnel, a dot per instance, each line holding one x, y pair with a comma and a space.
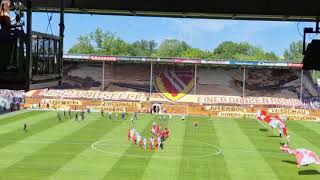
156, 108
173, 149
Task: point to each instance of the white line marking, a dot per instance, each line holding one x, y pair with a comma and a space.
214, 148
100, 143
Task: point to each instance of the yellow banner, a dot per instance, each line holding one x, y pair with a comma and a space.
61, 102
288, 111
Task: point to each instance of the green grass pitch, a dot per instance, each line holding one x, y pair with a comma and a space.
97, 148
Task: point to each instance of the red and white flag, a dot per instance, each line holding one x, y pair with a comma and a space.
264, 116
303, 156
281, 125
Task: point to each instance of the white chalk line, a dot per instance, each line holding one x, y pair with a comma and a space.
217, 152
100, 143
125, 145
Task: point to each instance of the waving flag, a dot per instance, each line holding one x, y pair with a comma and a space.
282, 125
273, 121
303, 156
264, 116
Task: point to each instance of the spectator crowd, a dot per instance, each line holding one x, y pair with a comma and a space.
12, 98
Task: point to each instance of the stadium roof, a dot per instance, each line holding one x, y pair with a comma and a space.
281, 10
212, 62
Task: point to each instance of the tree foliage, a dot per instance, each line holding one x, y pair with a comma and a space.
84, 46
294, 53
107, 43
242, 51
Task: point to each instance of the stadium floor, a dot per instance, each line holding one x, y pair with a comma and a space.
97, 148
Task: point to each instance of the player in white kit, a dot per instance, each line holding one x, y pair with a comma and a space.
145, 144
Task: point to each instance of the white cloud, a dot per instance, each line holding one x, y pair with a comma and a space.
202, 25
252, 27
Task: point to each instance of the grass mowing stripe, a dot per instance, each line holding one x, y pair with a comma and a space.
219, 165
18, 117
169, 167
97, 164
305, 132
14, 113
18, 134
29, 120
314, 126
17, 151
238, 162
212, 167
279, 163
127, 166
43, 164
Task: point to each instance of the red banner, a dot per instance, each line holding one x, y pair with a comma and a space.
87, 94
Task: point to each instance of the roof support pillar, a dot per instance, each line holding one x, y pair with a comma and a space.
29, 46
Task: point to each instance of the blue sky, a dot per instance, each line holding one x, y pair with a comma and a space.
205, 34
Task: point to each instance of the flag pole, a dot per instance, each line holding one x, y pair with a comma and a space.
195, 79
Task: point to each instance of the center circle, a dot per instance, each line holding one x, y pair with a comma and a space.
191, 149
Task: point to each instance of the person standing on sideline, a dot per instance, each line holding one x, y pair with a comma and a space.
76, 117
183, 117
196, 123
59, 117
82, 115
25, 127
135, 116
102, 113
110, 115
123, 115
132, 119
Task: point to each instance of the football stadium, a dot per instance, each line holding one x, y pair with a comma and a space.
89, 116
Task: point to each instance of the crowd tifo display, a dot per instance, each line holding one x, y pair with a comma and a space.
182, 89
176, 81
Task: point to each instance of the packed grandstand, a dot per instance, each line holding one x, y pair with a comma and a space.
198, 87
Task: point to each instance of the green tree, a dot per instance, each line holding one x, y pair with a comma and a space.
108, 43
242, 51
271, 56
143, 48
172, 48
84, 46
197, 53
294, 53
113, 45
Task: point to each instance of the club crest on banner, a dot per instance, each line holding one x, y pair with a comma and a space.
174, 84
